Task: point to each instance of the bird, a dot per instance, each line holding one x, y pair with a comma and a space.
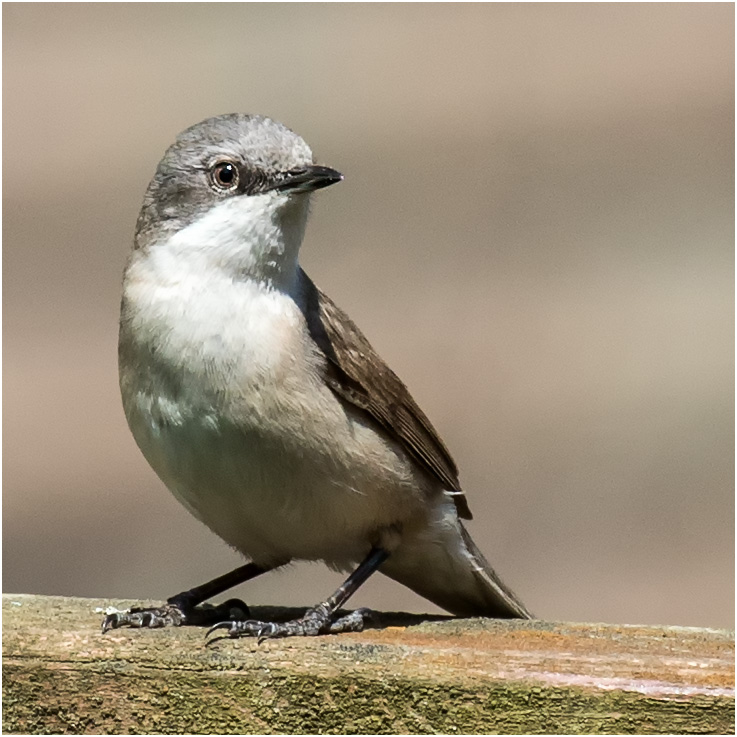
262, 406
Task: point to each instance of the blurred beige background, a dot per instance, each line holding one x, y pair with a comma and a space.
535, 230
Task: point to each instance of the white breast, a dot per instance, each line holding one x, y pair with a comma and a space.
223, 393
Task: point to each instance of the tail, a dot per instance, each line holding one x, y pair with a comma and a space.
443, 564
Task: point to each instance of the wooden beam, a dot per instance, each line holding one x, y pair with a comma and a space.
417, 675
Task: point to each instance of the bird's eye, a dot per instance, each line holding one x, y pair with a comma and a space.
224, 175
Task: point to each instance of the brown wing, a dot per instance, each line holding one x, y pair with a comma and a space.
358, 375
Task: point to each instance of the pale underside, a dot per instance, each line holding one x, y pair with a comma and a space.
248, 438
267, 427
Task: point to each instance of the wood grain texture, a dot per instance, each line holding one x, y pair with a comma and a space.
440, 675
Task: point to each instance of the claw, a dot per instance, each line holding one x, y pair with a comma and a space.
315, 621
109, 623
220, 626
173, 614
265, 632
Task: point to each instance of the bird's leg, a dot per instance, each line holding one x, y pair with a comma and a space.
183, 608
320, 619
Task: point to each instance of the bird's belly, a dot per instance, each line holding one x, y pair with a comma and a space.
234, 417
303, 489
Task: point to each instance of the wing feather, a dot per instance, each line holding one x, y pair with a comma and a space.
358, 375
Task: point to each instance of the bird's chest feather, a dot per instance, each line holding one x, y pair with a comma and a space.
224, 396
199, 348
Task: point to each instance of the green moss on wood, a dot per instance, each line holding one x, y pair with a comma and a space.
93, 700
60, 675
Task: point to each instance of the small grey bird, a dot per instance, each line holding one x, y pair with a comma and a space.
264, 409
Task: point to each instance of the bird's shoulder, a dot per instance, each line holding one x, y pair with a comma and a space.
357, 374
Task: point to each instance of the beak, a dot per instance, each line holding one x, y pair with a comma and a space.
307, 179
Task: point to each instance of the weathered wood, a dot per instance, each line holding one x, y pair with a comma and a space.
60, 675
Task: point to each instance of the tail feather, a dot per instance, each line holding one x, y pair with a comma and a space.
502, 596
445, 566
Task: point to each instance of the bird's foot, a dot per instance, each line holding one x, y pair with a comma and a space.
176, 614
319, 620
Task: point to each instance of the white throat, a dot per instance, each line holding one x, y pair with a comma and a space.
255, 237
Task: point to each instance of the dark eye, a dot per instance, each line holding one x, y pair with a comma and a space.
224, 175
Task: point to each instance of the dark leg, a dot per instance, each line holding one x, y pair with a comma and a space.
320, 619
183, 608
